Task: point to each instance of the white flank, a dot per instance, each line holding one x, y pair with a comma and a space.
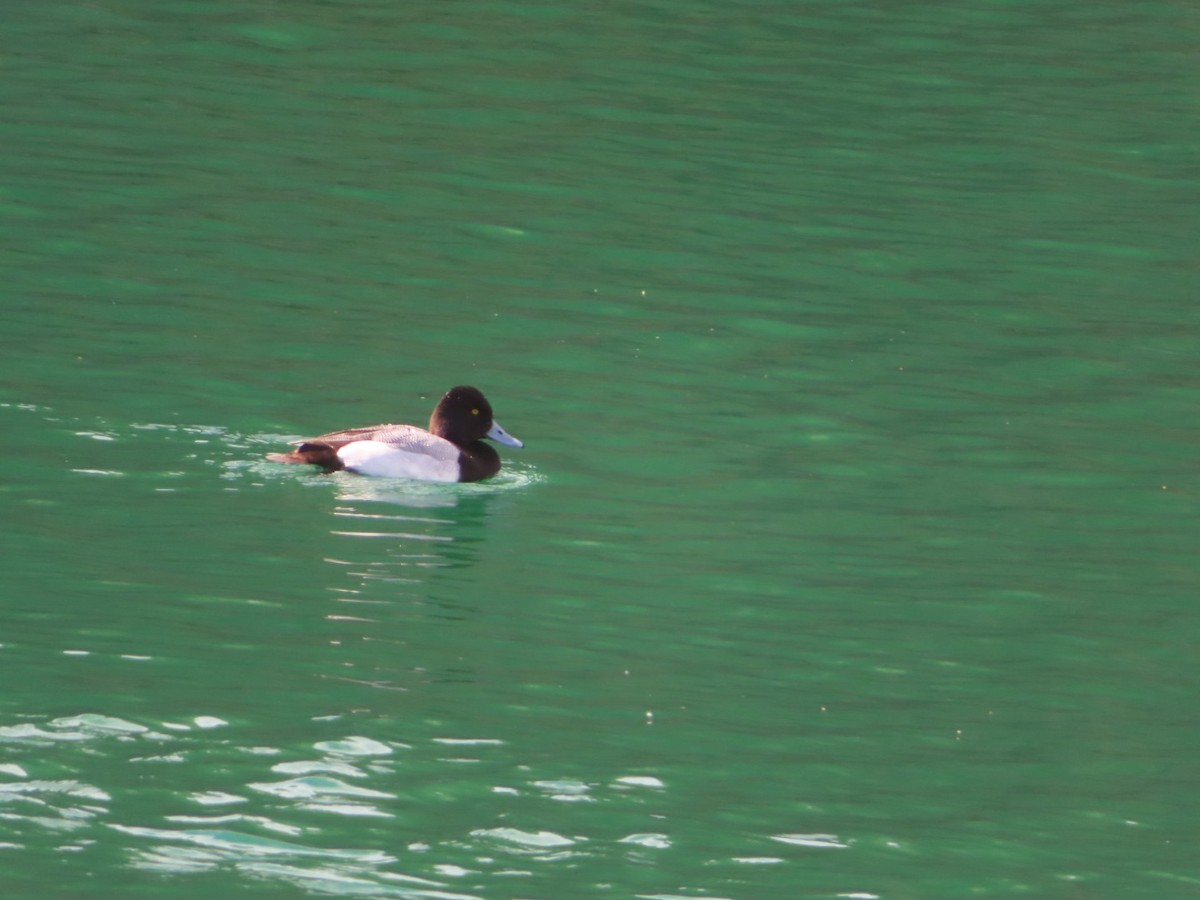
386, 461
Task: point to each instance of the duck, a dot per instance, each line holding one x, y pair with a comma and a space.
452, 449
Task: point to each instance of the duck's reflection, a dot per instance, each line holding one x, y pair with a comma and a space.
407, 549
400, 544
396, 532
353, 489
400, 554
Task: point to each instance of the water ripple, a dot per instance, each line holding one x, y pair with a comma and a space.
317, 786
240, 844
811, 840
385, 807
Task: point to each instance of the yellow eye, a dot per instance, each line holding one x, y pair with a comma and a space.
474, 412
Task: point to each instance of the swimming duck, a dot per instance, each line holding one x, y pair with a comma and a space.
451, 450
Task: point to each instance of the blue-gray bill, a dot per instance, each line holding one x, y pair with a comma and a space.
500, 436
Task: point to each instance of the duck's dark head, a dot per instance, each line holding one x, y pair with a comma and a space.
464, 415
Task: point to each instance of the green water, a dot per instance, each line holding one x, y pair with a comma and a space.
852, 553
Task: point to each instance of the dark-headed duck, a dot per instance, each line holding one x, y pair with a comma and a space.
451, 450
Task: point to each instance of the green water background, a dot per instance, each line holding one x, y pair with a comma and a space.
853, 549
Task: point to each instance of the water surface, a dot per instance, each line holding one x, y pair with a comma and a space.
852, 550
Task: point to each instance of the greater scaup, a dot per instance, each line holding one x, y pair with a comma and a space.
451, 450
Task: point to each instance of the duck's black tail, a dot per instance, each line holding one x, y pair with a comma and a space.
310, 453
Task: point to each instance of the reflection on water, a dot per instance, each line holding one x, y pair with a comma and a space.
429, 494
392, 547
